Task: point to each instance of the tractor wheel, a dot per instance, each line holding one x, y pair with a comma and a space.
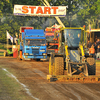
50, 67
91, 66
59, 65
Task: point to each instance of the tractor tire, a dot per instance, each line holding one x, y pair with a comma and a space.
50, 67
91, 66
59, 65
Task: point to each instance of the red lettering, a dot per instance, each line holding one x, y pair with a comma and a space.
32, 9
39, 10
47, 10
54, 9
25, 9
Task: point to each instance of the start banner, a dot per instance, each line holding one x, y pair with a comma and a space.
25, 10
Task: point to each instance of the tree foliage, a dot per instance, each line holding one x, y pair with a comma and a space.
79, 13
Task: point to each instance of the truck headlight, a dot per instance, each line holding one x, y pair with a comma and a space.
44, 53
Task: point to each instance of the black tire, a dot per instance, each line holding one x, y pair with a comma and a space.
91, 66
59, 65
50, 67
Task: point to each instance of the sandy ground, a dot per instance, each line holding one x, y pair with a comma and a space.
33, 74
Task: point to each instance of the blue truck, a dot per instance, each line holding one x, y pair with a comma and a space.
33, 45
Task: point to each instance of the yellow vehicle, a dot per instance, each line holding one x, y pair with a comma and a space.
70, 59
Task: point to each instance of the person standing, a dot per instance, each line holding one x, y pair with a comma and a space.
98, 42
92, 51
89, 44
98, 52
95, 47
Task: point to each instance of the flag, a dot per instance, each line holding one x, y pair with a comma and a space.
9, 37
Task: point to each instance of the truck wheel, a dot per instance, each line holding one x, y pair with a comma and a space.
59, 66
50, 67
91, 66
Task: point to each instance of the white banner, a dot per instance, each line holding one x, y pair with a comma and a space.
25, 10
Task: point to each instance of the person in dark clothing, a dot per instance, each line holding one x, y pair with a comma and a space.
89, 44
98, 52
96, 38
98, 41
95, 47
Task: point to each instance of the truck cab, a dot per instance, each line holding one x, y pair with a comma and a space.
52, 42
33, 45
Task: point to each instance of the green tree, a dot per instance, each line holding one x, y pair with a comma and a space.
89, 12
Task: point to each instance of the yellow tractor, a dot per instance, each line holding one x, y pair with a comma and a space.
70, 61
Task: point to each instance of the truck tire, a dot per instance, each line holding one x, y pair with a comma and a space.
50, 67
59, 65
91, 66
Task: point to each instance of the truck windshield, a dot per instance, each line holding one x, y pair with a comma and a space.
50, 39
72, 37
35, 42
52, 46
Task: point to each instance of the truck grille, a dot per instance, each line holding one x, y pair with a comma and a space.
35, 51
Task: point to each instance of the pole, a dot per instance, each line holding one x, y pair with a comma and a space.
12, 43
7, 40
57, 18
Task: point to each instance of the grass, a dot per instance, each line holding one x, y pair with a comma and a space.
10, 89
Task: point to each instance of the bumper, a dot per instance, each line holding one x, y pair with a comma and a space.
36, 57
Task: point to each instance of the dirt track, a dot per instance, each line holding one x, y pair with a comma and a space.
33, 75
